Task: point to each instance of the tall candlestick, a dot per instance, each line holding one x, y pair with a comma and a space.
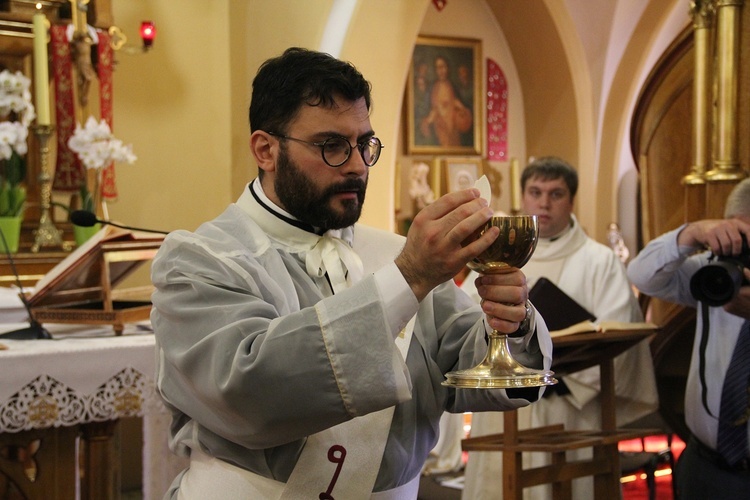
41, 74
515, 186
47, 235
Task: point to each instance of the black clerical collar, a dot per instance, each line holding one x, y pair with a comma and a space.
273, 209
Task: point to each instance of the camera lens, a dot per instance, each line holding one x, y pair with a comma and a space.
716, 284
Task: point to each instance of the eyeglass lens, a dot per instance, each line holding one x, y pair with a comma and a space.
336, 151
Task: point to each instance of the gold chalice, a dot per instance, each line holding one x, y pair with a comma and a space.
511, 250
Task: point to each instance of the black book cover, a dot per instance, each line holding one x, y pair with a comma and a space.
557, 308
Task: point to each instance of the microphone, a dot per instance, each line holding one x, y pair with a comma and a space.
85, 218
35, 330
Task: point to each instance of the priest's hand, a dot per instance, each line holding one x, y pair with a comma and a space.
503, 299
443, 237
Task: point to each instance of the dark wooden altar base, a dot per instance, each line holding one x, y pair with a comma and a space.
41, 464
38, 464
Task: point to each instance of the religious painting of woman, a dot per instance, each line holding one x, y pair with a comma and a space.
443, 92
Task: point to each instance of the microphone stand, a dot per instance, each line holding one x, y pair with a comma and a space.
84, 218
35, 330
131, 228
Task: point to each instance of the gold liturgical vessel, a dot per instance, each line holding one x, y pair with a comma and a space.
512, 249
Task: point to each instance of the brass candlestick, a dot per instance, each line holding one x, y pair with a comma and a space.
47, 235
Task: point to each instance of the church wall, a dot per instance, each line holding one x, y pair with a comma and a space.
172, 104
184, 104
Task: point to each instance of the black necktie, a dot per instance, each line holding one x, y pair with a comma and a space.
731, 442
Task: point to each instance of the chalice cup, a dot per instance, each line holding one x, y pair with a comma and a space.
499, 370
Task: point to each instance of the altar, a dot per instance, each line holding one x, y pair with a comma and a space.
60, 401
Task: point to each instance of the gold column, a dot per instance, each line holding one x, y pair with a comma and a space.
726, 165
702, 12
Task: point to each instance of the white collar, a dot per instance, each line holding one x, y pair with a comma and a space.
329, 254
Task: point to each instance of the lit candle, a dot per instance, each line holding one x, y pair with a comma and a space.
41, 75
515, 186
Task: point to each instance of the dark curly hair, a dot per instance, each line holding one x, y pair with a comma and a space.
301, 77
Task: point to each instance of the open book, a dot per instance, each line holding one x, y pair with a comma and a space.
603, 326
564, 316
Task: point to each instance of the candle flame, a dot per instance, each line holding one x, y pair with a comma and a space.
39, 5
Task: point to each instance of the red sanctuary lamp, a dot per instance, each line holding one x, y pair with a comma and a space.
148, 33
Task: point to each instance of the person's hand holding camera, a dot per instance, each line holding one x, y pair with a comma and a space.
724, 237
725, 278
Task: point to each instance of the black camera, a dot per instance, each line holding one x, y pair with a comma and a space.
718, 282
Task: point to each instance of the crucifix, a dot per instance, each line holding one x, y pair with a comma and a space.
81, 43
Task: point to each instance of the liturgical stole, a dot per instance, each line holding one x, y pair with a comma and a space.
341, 462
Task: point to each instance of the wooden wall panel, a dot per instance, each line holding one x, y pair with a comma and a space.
666, 158
662, 145
661, 138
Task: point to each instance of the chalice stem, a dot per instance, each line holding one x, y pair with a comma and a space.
499, 359
498, 353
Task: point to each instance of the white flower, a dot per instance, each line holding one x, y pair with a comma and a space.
15, 96
13, 136
96, 147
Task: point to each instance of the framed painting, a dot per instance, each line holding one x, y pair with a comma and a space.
444, 88
461, 173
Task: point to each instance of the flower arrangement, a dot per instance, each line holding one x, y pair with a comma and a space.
17, 113
97, 148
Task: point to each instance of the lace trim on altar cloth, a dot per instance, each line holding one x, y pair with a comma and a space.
46, 402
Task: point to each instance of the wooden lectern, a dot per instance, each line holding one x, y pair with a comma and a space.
571, 354
81, 289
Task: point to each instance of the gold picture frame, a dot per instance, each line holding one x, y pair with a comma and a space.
461, 173
444, 90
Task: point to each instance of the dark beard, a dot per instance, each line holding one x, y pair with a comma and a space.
298, 196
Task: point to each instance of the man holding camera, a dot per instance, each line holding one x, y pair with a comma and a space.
716, 461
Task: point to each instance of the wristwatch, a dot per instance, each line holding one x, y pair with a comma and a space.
525, 325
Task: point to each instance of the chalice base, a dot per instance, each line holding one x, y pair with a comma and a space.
499, 370
480, 378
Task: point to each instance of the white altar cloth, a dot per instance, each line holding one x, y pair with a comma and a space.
75, 379
87, 374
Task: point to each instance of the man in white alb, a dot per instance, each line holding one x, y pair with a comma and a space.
301, 354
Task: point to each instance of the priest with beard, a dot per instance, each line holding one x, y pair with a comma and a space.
301, 354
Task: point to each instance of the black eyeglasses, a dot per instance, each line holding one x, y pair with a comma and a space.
337, 150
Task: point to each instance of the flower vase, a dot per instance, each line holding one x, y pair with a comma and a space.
83, 233
11, 228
